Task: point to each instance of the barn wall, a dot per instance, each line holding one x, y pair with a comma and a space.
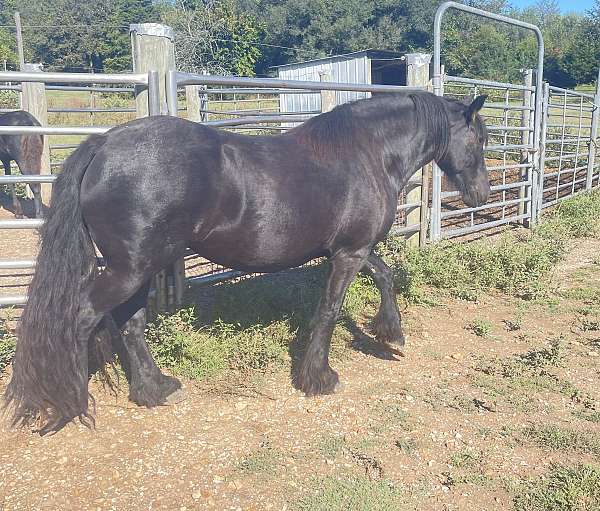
343, 70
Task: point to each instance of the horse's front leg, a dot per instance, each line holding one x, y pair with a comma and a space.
386, 324
314, 375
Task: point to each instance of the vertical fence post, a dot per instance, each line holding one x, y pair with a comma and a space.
417, 74
435, 212
33, 100
537, 186
193, 103
327, 96
593, 136
153, 50
526, 139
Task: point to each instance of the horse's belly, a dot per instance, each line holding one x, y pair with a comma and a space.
256, 258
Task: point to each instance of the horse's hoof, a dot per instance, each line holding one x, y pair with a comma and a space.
388, 332
317, 382
176, 397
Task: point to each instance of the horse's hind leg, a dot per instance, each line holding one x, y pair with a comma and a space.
386, 324
15, 200
37, 200
314, 375
103, 294
148, 386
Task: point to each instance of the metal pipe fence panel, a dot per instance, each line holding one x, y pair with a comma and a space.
507, 113
88, 103
510, 105
568, 126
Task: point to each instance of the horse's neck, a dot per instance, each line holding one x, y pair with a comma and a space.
407, 152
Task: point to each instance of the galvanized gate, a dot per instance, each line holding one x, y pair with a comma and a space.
513, 113
568, 156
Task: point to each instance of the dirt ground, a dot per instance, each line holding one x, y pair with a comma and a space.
440, 424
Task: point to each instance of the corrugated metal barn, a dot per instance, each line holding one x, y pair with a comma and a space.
367, 66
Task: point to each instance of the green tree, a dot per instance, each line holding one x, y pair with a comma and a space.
75, 34
214, 36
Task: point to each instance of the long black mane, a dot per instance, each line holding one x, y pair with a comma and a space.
352, 124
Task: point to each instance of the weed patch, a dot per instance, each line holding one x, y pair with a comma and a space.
562, 439
518, 263
264, 461
562, 489
480, 327
178, 344
8, 343
345, 493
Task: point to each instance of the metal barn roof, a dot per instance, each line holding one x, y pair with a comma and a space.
372, 54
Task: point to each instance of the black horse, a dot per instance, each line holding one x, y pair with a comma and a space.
26, 150
147, 190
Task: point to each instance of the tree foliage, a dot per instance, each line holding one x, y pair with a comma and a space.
250, 36
213, 36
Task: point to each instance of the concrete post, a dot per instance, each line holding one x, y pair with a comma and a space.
33, 100
417, 74
593, 136
153, 50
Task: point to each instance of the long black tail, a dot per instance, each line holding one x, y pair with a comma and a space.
49, 381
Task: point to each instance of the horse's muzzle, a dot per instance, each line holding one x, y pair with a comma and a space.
477, 195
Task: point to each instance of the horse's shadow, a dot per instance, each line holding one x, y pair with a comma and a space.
290, 295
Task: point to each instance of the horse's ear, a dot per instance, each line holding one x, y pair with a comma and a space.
474, 107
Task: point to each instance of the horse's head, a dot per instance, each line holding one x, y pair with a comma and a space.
463, 161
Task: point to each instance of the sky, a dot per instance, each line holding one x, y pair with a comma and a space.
565, 5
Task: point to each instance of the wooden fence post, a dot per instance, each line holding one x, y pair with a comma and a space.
153, 50
327, 96
33, 100
193, 102
417, 74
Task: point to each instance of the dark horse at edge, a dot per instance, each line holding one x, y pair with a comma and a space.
147, 190
26, 151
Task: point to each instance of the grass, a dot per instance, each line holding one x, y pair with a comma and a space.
178, 344
264, 461
407, 445
553, 437
465, 459
518, 263
516, 379
561, 489
8, 343
351, 493
331, 446
480, 327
